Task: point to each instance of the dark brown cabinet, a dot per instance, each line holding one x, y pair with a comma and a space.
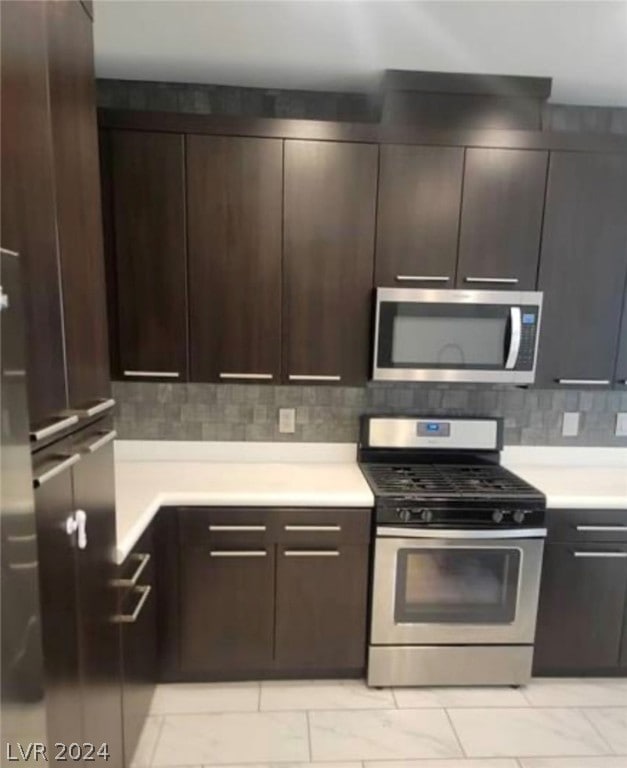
583, 268
418, 212
234, 204
620, 377
582, 610
137, 620
72, 91
328, 252
272, 592
501, 218
148, 265
78, 600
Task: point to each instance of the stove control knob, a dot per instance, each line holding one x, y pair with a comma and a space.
405, 515
519, 516
497, 516
426, 515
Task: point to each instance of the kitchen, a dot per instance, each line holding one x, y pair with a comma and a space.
315, 448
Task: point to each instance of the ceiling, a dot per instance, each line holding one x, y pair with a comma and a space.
345, 44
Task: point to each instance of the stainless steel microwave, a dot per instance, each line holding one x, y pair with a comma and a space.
456, 335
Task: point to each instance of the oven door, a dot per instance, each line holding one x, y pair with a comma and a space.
473, 336
455, 587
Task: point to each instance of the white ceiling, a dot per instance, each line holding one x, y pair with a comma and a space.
345, 44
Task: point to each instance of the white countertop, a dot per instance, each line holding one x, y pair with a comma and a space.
152, 474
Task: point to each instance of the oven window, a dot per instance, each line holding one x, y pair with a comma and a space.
457, 585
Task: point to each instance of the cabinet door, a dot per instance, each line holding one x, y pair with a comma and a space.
329, 209
28, 208
582, 602
147, 177
234, 188
321, 608
94, 493
583, 267
77, 188
501, 218
418, 216
227, 611
57, 589
138, 635
620, 377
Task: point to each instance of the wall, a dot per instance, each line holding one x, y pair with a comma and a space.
331, 414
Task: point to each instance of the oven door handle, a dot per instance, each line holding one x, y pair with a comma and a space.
515, 336
441, 533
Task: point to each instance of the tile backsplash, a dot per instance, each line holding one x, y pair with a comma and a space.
331, 414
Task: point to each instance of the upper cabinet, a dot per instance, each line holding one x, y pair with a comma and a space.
418, 216
501, 218
583, 268
77, 189
149, 261
328, 242
234, 198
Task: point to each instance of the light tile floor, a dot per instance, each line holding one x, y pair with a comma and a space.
565, 723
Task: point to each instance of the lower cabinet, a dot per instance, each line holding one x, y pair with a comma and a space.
582, 617
272, 592
137, 620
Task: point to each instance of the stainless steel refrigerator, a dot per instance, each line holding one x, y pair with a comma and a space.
22, 716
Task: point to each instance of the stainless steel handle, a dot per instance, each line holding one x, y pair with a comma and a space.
104, 438
600, 554
52, 429
576, 382
144, 559
248, 376
237, 528
94, 410
514, 344
606, 528
125, 618
304, 377
238, 553
422, 278
154, 374
440, 533
24, 539
311, 553
495, 280
66, 463
312, 528
30, 566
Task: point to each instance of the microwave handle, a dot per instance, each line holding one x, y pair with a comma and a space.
514, 339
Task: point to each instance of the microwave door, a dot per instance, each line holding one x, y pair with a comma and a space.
515, 334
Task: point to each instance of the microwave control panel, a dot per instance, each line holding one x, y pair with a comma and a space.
528, 332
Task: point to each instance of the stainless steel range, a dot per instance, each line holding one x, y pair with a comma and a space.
458, 554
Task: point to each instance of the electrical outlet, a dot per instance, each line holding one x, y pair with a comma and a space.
621, 425
287, 421
570, 424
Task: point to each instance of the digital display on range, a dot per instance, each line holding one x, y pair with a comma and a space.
433, 429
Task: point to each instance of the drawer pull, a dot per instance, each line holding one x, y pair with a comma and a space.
52, 429
600, 554
422, 278
250, 376
105, 437
64, 464
100, 407
311, 553
126, 618
312, 377
143, 560
23, 539
238, 553
237, 528
604, 528
154, 374
495, 280
314, 528
583, 382
30, 566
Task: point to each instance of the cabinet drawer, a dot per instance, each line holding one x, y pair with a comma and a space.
323, 527
587, 525
229, 527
